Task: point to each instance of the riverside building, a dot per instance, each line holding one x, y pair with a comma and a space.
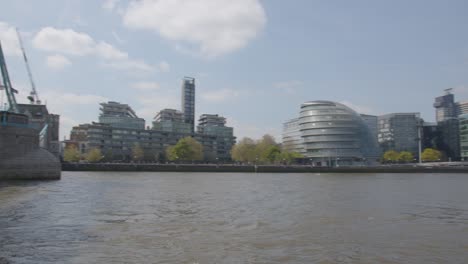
331, 134
399, 132
119, 130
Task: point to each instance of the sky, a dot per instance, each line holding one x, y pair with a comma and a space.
255, 61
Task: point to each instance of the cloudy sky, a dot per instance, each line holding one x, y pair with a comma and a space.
255, 61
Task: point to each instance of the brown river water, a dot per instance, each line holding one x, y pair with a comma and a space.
103, 217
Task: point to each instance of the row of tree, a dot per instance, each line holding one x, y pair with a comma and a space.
264, 151
428, 155
186, 149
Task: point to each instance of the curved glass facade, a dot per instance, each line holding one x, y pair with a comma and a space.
330, 133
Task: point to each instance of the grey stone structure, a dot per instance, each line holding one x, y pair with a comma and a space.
44, 122
21, 156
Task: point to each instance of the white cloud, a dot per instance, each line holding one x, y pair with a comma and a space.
110, 5
215, 27
109, 52
146, 86
9, 40
70, 42
164, 66
117, 37
57, 62
129, 65
65, 41
289, 86
219, 95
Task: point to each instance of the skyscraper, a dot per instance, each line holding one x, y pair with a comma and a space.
188, 101
445, 106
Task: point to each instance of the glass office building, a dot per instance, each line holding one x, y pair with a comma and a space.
331, 134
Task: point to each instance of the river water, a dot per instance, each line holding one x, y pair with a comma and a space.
91, 217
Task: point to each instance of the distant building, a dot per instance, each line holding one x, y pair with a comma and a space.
188, 101
372, 123
445, 106
330, 134
450, 138
120, 115
447, 112
214, 125
431, 136
46, 123
463, 126
171, 120
461, 108
399, 132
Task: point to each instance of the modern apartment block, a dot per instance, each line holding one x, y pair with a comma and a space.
171, 120
330, 134
399, 132
461, 108
445, 106
215, 125
119, 129
463, 128
120, 115
447, 112
188, 101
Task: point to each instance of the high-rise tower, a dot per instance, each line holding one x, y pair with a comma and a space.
188, 101
445, 106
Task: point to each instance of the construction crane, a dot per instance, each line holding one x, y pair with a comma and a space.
10, 92
33, 96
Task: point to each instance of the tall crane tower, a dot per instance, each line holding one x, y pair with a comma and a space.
33, 96
10, 92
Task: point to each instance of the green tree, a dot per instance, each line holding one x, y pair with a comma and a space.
186, 149
263, 148
405, 156
71, 154
94, 155
430, 154
244, 150
390, 156
271, 154
137, 152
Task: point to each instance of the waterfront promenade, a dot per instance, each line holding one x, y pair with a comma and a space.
423, 168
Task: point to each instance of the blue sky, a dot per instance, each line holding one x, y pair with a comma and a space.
255, 61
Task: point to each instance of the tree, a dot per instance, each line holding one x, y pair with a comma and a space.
94, 155
264, 146
390, 156
271, 154
137, 152
244, 150
71, 154
405, 156
186, 149
430, 154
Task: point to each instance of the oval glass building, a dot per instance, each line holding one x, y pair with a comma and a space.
332, 134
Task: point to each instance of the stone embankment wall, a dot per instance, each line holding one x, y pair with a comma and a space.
244, 168
22, 159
